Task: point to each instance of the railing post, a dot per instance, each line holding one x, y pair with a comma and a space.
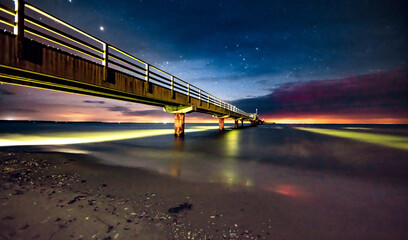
172, 87
188, 92
147, 78
208, 100
147, 73
199, 96
19, 28
105, 61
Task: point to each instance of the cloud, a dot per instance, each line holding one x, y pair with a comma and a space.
129, 112
118, 109
382, 94
21, 110
98, 102
4, 92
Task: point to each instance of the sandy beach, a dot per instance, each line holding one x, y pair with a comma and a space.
67, 196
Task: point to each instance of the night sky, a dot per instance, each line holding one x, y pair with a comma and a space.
295, 61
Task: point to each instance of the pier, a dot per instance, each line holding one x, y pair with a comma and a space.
40, 50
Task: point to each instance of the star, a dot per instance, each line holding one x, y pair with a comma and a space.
101, 28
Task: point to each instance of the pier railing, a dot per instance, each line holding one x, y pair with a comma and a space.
26, 20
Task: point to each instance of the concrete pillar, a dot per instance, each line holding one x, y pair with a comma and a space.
242, 123
253, 124
179, 124
221, 123
236, 124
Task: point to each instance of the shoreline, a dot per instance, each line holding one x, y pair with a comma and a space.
70, 196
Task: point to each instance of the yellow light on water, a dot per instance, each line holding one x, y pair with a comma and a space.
391, 141
232, 143
85, 137
69, 150
356, 128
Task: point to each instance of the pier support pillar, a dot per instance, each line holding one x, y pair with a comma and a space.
253, 124
221, 123
236, 124
242, 123
179, 124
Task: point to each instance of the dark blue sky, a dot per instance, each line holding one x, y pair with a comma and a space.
239, 49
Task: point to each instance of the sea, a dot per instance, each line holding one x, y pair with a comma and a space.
362, 167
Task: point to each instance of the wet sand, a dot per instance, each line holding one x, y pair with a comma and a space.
67, 196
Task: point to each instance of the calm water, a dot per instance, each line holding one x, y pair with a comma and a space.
250, 156
361, 168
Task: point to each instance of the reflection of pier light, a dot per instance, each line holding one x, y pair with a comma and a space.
230, 175
175, 170
232, 143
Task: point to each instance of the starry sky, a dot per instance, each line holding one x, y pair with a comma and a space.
294, 61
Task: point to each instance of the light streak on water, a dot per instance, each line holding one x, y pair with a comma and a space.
357, 128
391, 141
61, 138
232, 140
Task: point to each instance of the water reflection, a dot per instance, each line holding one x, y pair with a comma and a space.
72, 137
287, 190
357, 128
398, 142
232, 142
284, 161
175, 166
175, 170
68, 150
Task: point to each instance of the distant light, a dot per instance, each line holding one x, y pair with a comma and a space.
101, 28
